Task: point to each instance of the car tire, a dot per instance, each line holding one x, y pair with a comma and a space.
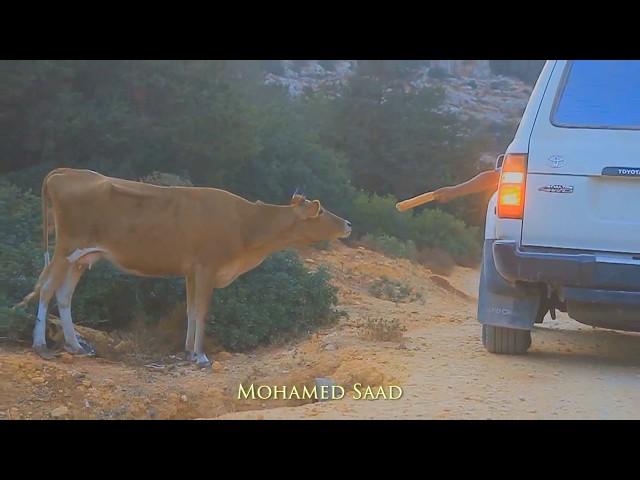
509, 341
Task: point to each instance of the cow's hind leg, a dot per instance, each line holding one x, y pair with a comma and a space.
189, 346
64, 294
54, 277
204, 287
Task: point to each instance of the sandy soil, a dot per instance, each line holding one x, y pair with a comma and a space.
571, 371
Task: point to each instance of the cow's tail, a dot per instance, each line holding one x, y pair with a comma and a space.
45, 245
36, 290
44, 194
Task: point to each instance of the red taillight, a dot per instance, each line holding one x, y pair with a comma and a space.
512, 185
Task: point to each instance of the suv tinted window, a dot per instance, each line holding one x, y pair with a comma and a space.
599, 94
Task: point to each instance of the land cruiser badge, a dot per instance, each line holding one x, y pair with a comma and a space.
557, 189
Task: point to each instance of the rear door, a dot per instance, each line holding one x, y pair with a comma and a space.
583, 182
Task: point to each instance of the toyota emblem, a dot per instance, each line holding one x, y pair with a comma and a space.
556, 161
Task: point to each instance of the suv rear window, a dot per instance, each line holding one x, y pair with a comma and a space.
599, 94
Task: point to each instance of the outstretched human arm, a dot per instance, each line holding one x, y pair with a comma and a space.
484, 181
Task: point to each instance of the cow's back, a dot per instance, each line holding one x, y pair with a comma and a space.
147, 229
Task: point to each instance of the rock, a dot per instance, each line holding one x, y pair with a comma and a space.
224, 356
184, 399
217, 367
325, 382
329, 347
66, 357
38, 380
59, 412
86, 383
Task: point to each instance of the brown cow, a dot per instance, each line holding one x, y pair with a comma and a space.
207, 235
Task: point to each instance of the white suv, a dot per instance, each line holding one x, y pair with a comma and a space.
563, 229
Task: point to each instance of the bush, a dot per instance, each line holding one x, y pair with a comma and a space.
275, 302
382, 329
15, 324
390, 246
433, 228
278, 300
393, 291
430, 228
377, 215
21, 255
167, 179
437, 260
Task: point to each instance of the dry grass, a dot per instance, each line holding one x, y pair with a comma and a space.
382, 329
393, 291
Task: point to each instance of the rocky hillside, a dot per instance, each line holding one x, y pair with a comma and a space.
472, 88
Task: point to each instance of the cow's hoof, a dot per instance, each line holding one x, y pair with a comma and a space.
89, 348
202, 361
80, 351
44, 352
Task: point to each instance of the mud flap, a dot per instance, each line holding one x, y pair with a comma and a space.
503, 304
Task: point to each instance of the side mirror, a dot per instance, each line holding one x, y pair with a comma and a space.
499, 161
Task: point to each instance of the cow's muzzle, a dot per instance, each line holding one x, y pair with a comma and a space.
347, 229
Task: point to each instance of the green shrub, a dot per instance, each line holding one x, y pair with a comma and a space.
433, 228
437, 260
392, 290
390, 246
377, 215
382, 329
167, 179
278, 300
21, 256
427, 229
275, 302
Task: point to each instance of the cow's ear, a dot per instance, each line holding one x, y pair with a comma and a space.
312, 209
297, 199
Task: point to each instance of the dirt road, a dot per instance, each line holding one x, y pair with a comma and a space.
571, 372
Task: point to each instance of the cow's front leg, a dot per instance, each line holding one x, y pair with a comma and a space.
203, 289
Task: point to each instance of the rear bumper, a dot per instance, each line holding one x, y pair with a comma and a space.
596, 293
580, 270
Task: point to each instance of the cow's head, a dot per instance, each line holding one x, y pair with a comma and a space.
314, 223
